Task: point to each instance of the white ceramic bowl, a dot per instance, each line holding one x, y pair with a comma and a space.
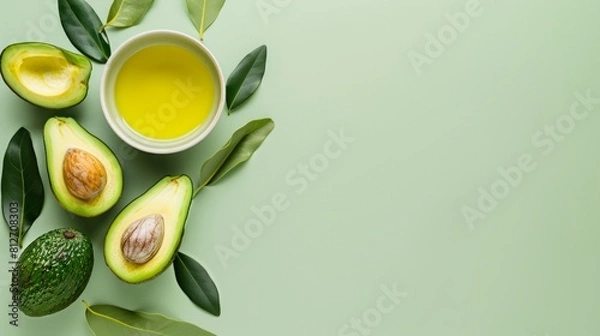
107, 96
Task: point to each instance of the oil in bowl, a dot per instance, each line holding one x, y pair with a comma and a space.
162, 92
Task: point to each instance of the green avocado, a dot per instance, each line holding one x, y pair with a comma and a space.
53, 271
144, 237
45, 75
85, 175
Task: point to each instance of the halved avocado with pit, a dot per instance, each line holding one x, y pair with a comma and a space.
85, 175
45, 75
145, 236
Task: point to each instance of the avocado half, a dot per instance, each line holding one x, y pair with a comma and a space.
45, 75
77, 160
170, 199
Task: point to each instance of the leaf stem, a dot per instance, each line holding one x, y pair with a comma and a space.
197, 191
202, 20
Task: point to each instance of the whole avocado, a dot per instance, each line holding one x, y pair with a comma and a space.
53, 271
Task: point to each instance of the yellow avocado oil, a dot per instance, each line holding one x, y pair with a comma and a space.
164, 92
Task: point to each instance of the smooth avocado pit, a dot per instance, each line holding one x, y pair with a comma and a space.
46, 75
85, 175
144, 237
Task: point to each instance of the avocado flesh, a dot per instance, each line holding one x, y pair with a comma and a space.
53, 271
171, 198
46, 75
62, 134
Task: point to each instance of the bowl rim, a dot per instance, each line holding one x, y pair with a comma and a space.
149, 145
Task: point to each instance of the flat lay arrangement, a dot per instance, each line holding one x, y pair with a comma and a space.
162, 93
299, 167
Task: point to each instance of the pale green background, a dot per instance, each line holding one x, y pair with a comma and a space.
388, 210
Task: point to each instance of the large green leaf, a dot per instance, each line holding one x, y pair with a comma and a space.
105, 320
22, 188
197, 284
246, 77
242, 145
203, 13
84, 29
127, 13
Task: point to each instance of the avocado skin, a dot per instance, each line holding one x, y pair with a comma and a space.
53, 271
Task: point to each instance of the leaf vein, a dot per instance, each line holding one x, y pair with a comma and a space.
112, 319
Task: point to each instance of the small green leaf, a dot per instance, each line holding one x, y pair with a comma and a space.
127, 13
22, 188
203, 13
246, 77
196, 283
105, 320
242, 145
84, 29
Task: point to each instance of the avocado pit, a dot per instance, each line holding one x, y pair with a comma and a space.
84, 174
143, 238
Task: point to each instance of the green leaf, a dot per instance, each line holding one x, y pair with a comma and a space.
203, 13
196, 283
246, 77
243, 143
127, 13
84, 29
105, 320
22, 188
